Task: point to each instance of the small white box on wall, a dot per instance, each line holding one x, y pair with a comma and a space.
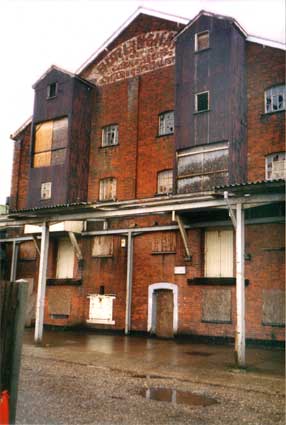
180, 270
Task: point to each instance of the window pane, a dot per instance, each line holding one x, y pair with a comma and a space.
166, 123
202, 102
42, 159
275, 99
107, 189
165, 181
58, 156
110, 135
60, 133
202, 41
43, 136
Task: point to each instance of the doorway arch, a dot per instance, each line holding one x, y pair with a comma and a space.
151, 324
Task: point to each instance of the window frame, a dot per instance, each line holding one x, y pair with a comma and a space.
49, 96
101, 181
163, 114
104, 130
269, 89
267, 160
196, 102
161, 172
197, 35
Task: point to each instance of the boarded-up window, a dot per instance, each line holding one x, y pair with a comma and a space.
273, 311
46, 190
166, 123
102, 246
165, 181
201, 41
50, 145
27, 251
164, 243
65, 259
216, 306
276, 166
101, 309
107, 189
219, 253
202, 168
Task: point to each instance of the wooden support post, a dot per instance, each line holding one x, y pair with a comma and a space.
184, 235
42, 284
129, 283
75, 245
37, 245
18, 331
240, 288
14, 261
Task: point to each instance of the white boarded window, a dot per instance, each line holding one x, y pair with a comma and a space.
201, 41
165, 181
110, 135
164, 243
101, 309
275, 99
102, 246
166, 123
107, 189
275, 166
219, 253
65, 259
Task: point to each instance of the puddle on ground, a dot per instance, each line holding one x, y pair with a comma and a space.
198, 353
177, 397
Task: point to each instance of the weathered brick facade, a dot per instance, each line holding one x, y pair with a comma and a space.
134, 104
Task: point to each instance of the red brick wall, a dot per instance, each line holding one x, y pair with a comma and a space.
266, 132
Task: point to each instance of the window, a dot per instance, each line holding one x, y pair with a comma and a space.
219, 253
46, 190
203, 167
50, 144
52, 90
102, 246
275, 166
201, 41
110, 135
107, 189
202, 102
275, 99
165, 181
164, 243
65, 259
166, 123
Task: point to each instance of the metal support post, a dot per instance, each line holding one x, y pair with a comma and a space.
129, 283
240, 288
42, 284
13, 272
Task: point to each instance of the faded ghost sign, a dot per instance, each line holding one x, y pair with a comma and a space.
138, 55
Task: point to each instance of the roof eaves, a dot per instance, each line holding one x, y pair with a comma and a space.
138, 11
266, 42
14, 135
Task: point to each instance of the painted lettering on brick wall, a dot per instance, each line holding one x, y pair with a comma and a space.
141, 54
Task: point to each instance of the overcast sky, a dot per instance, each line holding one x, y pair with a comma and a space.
35, 34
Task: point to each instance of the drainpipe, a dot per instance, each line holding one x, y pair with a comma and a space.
40, 306
129, 283
240, 287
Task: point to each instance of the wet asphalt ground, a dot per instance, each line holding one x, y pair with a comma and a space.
102, 379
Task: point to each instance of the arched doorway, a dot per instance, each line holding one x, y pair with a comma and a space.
163, 309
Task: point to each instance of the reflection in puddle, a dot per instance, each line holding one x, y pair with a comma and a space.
199, 353
177, 397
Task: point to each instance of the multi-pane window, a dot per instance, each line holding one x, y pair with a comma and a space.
51, 138
102, 246
110, 135
275, 99
166, 123
107, 189
52, 90
202, 101
165, 181
275, 166
46, 190
219, 253
201, 41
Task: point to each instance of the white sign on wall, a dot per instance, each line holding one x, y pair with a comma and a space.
180, 270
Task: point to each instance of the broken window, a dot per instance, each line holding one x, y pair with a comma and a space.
219, 253
201, 41
202, 102
51, 138
166, 123
275, 99
202, 168
164, 243
46, 190
165, 181
110, 135
107, 189
52, 90
102, 246
275, 166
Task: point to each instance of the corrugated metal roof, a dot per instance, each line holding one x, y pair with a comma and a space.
257, 182
50, 207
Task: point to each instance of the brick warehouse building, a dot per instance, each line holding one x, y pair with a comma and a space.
137, 177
